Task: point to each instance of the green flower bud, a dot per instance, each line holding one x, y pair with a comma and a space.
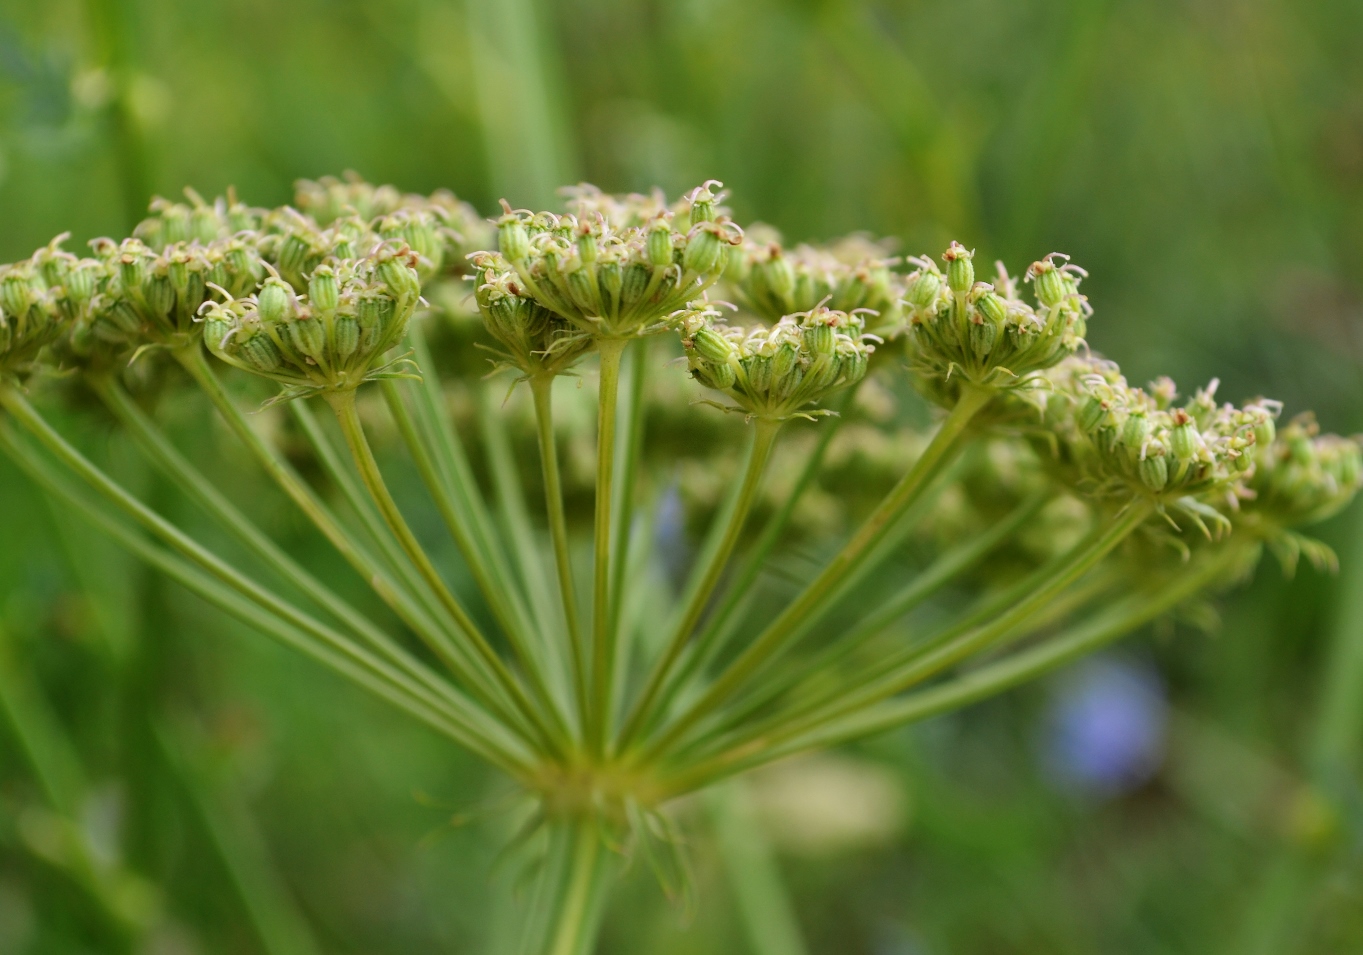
308, 335
323, 292
587, 249
924, 289
786, 370
659, 244
512, 239
703, 205
758, 370
609, 279
819, 338
1092, 413
720, 376
400, 278
1264, 431
1154, 469
778, 274
992, 307
960, 267
294, 254
132, 270
216, 328
260, 353
82, 281
712, 346
1183, 439
123, 316
633, 283
159, 294
1135, 430
1048, 281
704, 250
16, 295
274, 302
982, 335
345, 337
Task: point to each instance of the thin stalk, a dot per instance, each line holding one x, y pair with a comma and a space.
813, 601
942, 571
514, 626
199, 489
438, 624
343, 403
470, 728
756, 558
896, 679
725, 619
433, 416
542, 390
628, 473
576, 912
989, 680
603, 640
549, 664
433, 624
401, 602
764, 438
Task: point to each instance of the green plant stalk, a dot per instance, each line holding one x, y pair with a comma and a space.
713, 563
628, 460
269, 603
1081, 639
403, 603
438, 622
38, 731
898, 678
603, 641
198, 488
542, 391
942, 571
514, 626
724, 620
756, 558
472, 728
814, 599
433, 416
343, 404
576, 912
552, 665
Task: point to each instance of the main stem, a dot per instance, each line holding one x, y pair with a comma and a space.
764, 439
603, 640
542, 389
812, 602
575, 921
343, 403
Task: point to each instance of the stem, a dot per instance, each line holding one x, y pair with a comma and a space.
256, 607
542, 388
942, 571
895, 679
575, 921
1083, 638
495, 592
764, 438
197, 486
402, 603
813, 601
603, 640
343, 403
432, 415
624, 499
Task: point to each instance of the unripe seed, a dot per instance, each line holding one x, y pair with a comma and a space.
960, 267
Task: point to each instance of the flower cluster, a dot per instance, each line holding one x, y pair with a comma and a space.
775, 372
534, 340
985, 333
198, 221
39, 298
1304, 476
607, 279
773, 282
331, 337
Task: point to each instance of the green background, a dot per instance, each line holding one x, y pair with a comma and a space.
1203, 159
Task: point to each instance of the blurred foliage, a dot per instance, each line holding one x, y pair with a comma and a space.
168, 783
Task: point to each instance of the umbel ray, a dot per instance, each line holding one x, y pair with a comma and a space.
542, 665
